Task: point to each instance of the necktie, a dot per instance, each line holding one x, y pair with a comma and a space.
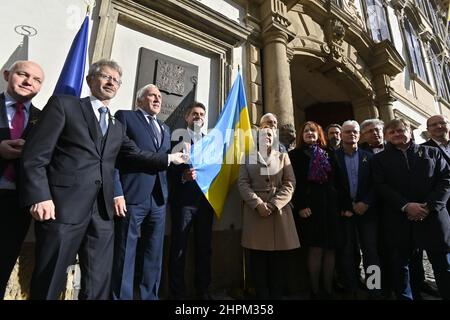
17, 124
103, 119
156, 133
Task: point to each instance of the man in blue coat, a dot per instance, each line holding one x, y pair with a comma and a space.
140, 199
359, 220
413, 182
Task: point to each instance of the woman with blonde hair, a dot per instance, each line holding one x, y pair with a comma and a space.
266, 184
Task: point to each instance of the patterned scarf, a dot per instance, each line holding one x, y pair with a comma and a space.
319, 166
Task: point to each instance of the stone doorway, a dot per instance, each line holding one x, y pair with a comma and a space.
327, 113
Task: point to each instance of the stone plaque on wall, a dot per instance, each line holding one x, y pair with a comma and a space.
175, 79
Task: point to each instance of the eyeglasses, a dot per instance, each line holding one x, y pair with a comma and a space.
117, 82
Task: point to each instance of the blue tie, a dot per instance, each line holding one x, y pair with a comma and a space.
156, 133
103, 119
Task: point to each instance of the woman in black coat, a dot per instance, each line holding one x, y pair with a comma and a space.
316, 201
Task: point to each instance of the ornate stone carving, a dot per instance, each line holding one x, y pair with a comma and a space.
170, 77
399, 8
336, 34
274, 18
350, 7
338, 31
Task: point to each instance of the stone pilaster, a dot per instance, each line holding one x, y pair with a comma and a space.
277, 80
386, 64
365, 108
384, 97
255, 89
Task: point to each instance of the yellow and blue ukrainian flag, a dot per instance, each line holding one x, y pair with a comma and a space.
217, 156
70, 80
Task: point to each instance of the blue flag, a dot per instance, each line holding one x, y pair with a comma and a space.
70, 81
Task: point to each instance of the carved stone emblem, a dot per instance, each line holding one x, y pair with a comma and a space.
170, 77
338, 31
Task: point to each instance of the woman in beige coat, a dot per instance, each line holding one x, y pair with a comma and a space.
266, 184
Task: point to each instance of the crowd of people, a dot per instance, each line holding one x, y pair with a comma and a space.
97, 186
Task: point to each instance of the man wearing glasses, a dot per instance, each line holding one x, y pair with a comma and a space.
438, 128
67, 179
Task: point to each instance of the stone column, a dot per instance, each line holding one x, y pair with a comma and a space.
364, 108
384, 97
386, 110
277, 77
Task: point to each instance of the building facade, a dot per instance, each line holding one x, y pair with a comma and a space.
322, 60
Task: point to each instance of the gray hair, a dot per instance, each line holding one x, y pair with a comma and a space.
352, 123
98, 65
369, 122
265, 116
141, 92
397, 123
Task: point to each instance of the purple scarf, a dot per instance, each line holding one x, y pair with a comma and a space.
319, 166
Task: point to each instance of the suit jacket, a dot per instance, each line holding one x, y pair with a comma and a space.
432, 143
426, 180
137, 186
67, 159
365, 190
365, 146
5, 133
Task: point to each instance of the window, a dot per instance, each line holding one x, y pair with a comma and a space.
442, 83
441, 74
423, 7
338, 2
431, 12
415, 53
376, 20
436, 21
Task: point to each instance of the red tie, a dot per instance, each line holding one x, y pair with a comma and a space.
16, 130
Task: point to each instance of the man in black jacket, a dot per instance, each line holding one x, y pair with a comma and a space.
413, 182
189, 207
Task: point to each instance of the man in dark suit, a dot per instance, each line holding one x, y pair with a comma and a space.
438, 128
17, 117
413, 182
373, 137
359, 221
190, 207
145, 196
67, 179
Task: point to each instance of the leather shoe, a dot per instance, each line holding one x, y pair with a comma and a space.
429, 289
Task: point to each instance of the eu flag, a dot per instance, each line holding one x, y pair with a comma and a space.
70, 81
216, 157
